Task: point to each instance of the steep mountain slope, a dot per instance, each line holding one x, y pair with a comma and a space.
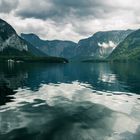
128, 49
101, 44
57, 48
12, 44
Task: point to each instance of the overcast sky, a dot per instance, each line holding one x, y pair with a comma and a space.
70, 19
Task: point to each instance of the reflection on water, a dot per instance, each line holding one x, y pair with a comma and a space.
70, 102
4, 92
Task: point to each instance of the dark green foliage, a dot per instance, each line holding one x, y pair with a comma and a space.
14, 52
90, 46
28, 59
129, 49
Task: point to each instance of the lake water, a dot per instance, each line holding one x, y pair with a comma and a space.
76, 101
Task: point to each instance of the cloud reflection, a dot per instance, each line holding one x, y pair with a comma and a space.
69, 112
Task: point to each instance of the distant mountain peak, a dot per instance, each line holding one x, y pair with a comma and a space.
10, 41
101, 44
32, 35
6, 30
59, 48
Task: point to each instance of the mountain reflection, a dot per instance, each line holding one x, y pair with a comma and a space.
5, 93
69, 102
103, 77
128, 74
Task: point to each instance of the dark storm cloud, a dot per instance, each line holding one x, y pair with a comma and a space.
70, 19
6, 6
61, 9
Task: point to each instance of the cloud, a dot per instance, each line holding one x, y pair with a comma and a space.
70, 19
63, 9
69, 9
6, 6
110, 44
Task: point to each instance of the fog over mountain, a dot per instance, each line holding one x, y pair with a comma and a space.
128, 49
99, 45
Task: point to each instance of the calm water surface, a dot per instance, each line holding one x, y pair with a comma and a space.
81, 101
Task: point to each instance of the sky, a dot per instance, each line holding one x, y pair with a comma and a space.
70, 19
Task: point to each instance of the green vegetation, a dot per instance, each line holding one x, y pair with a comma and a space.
34, 59
24, 56
128, 50
11, 52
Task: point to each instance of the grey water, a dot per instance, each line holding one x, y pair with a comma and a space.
75, 101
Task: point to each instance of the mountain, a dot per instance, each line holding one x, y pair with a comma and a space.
13, 45
101, 44
128, 49
56, 48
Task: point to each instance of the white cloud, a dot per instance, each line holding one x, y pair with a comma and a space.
71, 20
110, 44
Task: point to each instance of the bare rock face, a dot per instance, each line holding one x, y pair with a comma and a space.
11, 43
57, 48
9, 38
101, 44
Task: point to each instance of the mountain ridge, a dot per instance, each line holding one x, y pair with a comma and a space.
59, 48
10, 39
129, 48
13, 48
101, 44
92, 47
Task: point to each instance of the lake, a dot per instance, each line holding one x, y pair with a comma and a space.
75, 101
